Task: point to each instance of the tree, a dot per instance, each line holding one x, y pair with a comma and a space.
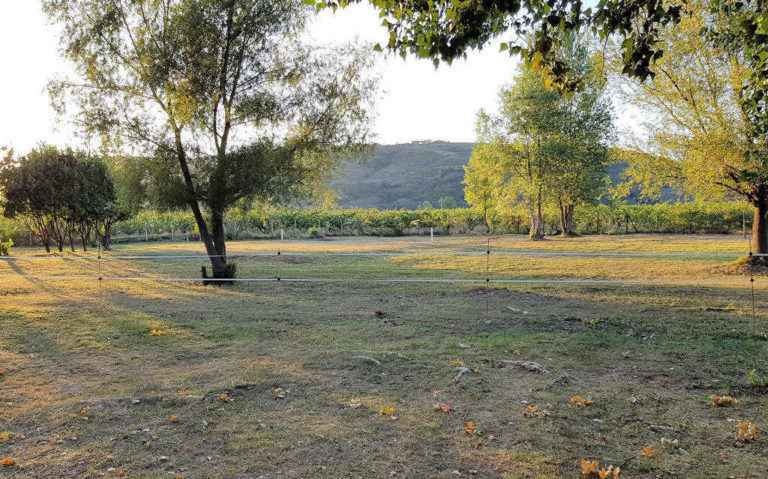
484, 177
702, 135
447, 202
58, 194
579, 175
222, 93
542, 147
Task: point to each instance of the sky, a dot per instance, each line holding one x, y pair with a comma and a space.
418, 102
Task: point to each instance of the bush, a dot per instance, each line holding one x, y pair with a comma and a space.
5, 247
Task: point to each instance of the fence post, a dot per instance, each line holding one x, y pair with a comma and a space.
431, 234
146, 233
282, 234
171, 232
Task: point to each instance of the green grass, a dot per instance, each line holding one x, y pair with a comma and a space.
648, 356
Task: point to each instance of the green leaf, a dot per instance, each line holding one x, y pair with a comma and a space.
377, 48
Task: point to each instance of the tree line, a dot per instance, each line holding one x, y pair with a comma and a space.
63, 197
262, 223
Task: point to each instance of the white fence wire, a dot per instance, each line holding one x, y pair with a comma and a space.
485, 280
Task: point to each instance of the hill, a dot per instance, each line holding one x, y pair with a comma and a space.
406, 175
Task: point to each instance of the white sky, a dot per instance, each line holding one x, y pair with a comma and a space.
418, 103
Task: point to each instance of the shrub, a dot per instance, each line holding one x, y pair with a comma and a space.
5, 247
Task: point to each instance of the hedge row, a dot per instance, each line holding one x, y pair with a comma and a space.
695, 217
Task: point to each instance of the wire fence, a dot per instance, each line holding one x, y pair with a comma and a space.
387, 253
104, 271
486, 278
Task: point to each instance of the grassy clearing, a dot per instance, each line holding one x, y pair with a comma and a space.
77, 356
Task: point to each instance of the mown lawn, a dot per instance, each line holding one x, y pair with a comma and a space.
87, 391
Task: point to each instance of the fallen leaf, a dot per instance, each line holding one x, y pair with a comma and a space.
648, 451
719, 401
747, 431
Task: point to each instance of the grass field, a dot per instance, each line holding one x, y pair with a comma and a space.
87, 391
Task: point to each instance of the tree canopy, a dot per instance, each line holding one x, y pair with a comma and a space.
701, 134
448, 29
59, 194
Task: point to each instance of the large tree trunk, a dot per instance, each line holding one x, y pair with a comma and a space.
71, 236
85, 234
106, 237
537, 222
760, 224
218, 258
566, 219
57, 233
218, 232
